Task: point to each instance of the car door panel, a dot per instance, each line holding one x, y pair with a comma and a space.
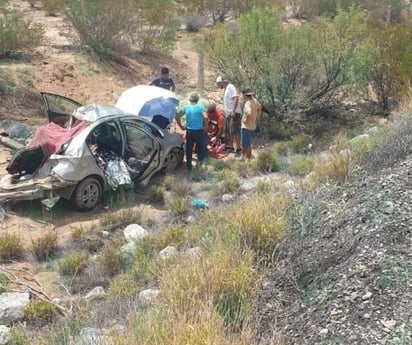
142, 150
59, 108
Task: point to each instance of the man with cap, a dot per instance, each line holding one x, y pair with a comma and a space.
251, 111
196, 128
232, 113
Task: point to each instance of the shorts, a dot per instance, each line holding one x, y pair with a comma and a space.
233, 124
246, 138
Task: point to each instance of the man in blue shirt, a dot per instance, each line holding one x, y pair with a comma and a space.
196, 129
164, 81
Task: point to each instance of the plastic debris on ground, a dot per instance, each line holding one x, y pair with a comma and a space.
200, 204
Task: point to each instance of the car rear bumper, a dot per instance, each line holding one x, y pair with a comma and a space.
31, 189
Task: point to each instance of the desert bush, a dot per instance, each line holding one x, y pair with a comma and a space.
4, 280
303, 217
392, 59
181, 188
11, 247
225, 278
392, 146
299, 144
169, 181
19, 336
336, 167
266, 162
120, 219
317, 287
301, 165
108, 29
15, 82
144, 263
179, 206
111, 260
73, 263
395, 272
156, 194
39, 312
86, 239
260, 223
294, 68
193, 22
17, 35
122, 286
43, 247
281, 148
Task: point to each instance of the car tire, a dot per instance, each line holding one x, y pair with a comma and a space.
173, 159
87, 195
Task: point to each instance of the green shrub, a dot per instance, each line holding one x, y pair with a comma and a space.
395, 272
299, 144
40, 312
120, 219
18, 35
179, 206
281, 148
111, 260
317, 287
193, 22
16, 81
301, 165
4, 280
266, 162
10, 247
86, 239
122, 286
156, 194
43, 247
73, 263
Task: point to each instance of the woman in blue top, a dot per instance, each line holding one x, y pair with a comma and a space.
196, 127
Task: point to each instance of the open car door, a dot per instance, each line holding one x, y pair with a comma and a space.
59, 108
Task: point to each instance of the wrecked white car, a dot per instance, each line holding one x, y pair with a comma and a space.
84, 151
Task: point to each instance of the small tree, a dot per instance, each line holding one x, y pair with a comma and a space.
392, 70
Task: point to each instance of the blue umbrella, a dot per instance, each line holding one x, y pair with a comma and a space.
149, 101
165, 107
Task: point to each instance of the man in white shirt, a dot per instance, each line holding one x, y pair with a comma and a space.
232, 114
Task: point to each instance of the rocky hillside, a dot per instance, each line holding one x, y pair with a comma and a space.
346, 278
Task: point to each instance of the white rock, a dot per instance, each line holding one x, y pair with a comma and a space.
194, 253
135, 232
190, 219
168, 253
367, 296
12, 305
129, 248
323, 332
97, 293
148, 296
227, 197
4, 334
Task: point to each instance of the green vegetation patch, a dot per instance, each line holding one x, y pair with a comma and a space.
316, 287
395, 272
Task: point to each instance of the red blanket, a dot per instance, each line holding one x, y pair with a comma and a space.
52, 136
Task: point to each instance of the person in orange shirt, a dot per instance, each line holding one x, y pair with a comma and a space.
216, 124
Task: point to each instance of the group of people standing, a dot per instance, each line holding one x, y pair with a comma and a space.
204, 126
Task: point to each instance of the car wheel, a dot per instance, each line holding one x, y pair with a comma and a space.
173, 159
88, 194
